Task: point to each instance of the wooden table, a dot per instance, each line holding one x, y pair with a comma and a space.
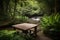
25, 27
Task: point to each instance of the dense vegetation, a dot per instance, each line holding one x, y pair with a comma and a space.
51, 25
12, 9
19, 11
13, 35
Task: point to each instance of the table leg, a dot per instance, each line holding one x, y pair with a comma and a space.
14, 28
29, 32
35, 32
25, 31
25, 34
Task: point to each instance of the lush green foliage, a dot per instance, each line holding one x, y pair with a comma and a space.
10, 35
9, 9
51, 25
13, 35
29, 7
13, 10
20, 19
52, 21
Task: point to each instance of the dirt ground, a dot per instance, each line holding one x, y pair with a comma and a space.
41, 36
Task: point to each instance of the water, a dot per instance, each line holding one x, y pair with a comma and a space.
35, 19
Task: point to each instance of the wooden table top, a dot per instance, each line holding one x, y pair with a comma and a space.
25, 26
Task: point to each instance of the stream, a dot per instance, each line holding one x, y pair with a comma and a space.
35, 19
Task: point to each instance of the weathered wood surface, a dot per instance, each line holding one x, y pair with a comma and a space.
25, 26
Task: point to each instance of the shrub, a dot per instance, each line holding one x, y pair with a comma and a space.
10, 35
51, 24
13, 35
20, 19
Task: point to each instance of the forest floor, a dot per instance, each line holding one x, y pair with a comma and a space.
41, 36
